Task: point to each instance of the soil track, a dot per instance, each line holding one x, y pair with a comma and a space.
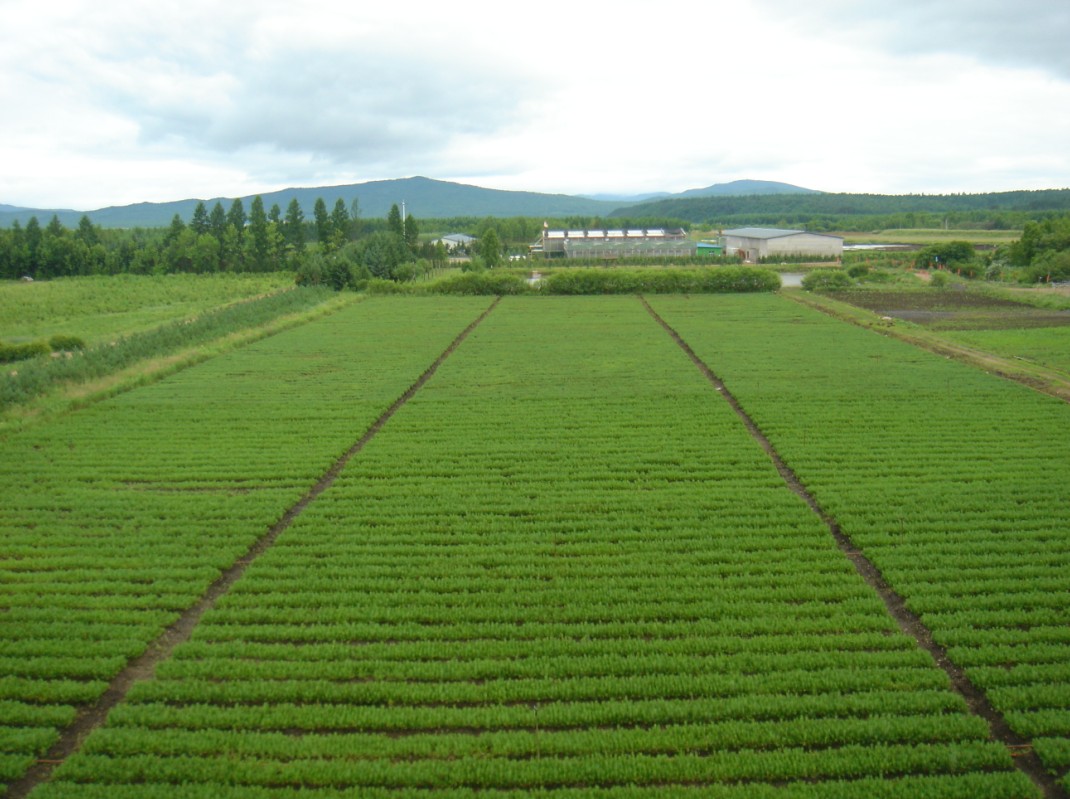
144, 667
1020, 748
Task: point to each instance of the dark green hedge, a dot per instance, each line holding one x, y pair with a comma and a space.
709, 280
9, 353
714, 280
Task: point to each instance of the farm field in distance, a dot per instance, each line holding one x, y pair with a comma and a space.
923, 236
560, 563
97, 310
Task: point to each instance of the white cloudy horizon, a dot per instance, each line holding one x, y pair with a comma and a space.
114, 103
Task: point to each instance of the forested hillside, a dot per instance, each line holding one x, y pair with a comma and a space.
1002, 210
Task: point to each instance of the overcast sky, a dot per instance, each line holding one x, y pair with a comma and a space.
109, 102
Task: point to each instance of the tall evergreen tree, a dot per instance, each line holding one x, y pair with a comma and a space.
236, 217
55, 227
259, 241
394, 222
33, 238
199, 223
275, 214
176, 229
293, 226
412, 232
217, 221
354, 218
339, 224
323, 222
87, 232
340, 217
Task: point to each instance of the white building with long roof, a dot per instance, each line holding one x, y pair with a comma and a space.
754, 243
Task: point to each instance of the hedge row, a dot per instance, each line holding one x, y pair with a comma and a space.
718, 280
9, 353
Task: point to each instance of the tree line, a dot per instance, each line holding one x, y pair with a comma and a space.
1043, 250
218, 240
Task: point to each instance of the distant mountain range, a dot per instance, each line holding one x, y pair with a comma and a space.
739, 188
424, 198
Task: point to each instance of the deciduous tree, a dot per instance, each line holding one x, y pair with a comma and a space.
490, 248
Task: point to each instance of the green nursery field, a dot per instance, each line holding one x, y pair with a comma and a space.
563, 567
98, 310
1047, 346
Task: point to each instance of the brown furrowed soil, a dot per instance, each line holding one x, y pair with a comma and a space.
955, 309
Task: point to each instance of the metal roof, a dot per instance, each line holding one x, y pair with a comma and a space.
633, 233
770, 233
630, 246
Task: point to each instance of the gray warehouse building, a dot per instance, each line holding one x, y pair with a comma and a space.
753, 243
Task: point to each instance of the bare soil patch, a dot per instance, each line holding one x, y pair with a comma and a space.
953, 309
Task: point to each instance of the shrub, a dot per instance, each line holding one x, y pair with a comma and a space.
957, 255
1050, 266
60, 342
310, 272
858, 270
378, 285
22, 352
485, 282
827, 280
939, 280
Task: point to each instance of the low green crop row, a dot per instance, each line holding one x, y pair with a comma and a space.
587, 770
554, 715
999, 785
538, 664
723, 736
395, 693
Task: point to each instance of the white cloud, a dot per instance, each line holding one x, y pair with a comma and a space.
111, 103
